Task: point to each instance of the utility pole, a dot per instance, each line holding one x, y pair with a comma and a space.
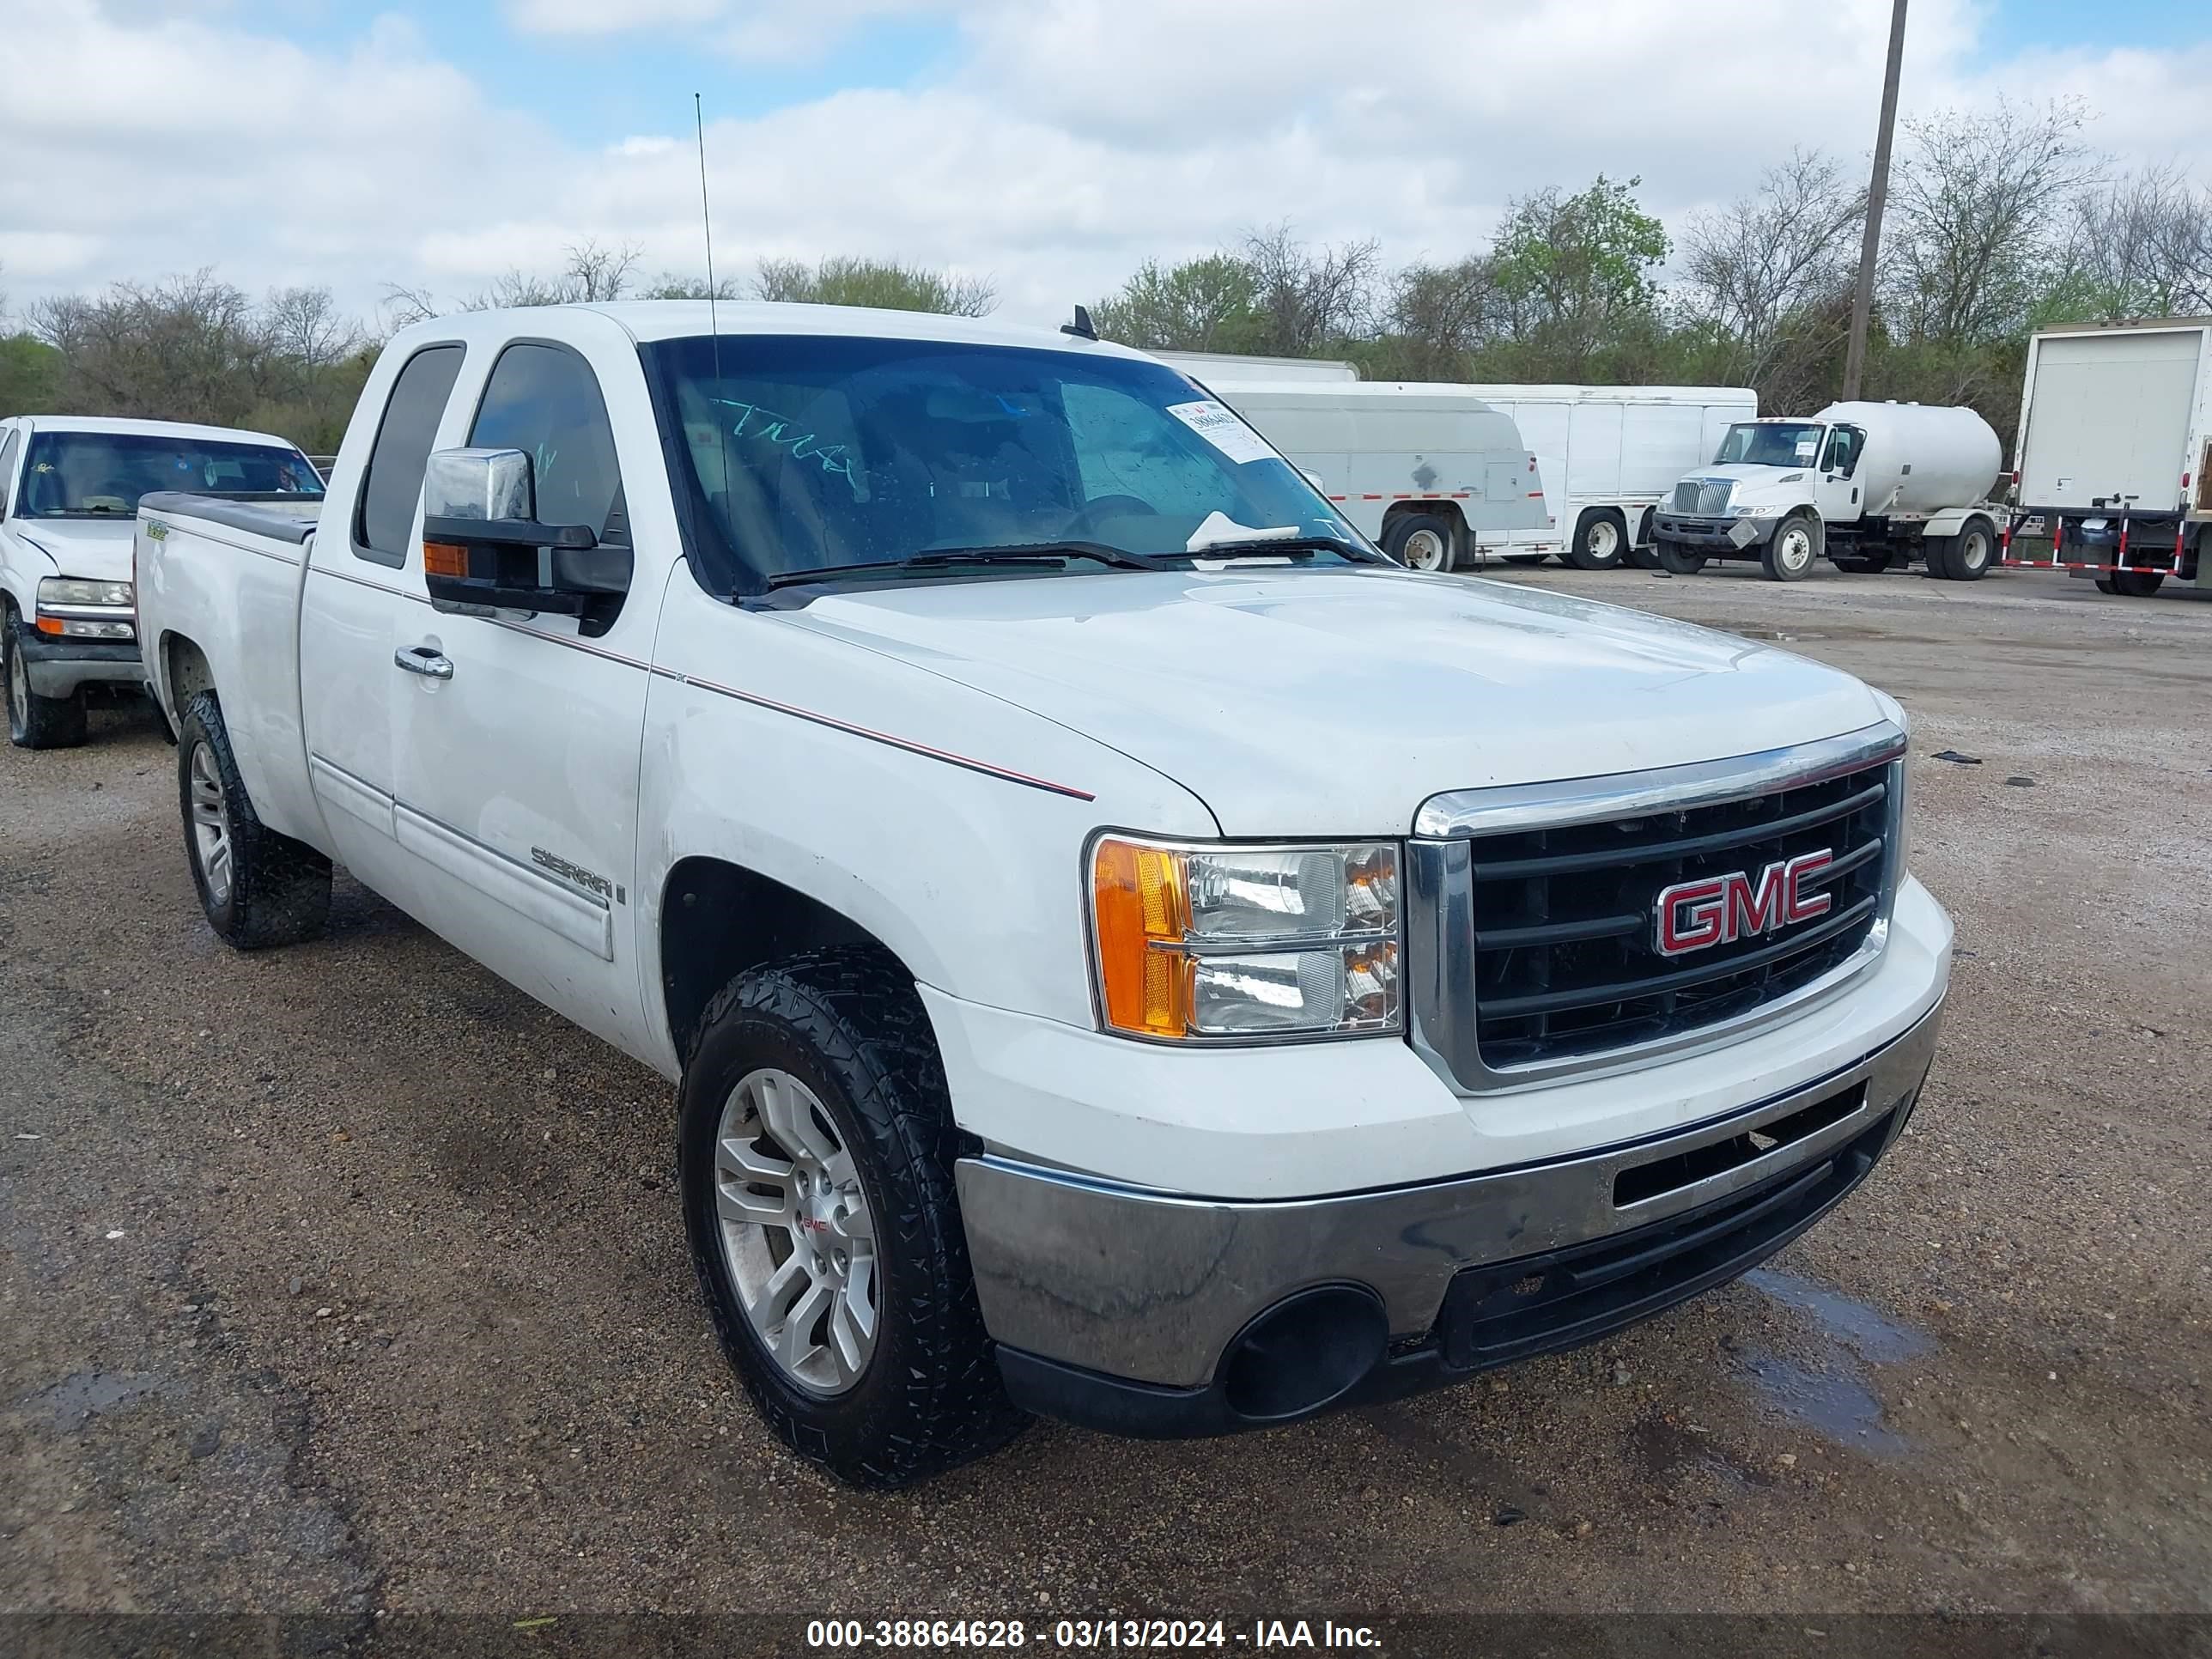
1877, 194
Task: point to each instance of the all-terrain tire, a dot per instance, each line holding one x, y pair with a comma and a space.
272, 890
847, 1024
34, 722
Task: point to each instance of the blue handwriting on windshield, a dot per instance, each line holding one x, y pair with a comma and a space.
781, 432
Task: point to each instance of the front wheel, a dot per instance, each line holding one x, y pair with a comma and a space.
34, 722
1794, 549
817, 1149
1678, 560
259, 888
1601, 539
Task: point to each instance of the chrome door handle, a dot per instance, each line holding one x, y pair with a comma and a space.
425, 661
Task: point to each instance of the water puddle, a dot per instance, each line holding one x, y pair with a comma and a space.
1875, 1338
1833, 1397
79, 1397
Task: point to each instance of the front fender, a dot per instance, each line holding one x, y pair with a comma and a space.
948, 823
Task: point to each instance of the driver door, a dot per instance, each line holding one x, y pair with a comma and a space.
1836, 490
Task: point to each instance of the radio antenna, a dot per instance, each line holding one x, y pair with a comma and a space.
714, 318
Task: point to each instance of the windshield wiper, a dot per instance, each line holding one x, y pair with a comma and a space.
1035, 556
1287, 547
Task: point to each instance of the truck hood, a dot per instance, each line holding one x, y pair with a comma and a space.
98, 550
1334, 702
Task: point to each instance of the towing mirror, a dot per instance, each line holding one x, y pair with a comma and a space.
483, 548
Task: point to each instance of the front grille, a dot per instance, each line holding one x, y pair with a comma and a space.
1706, 500
1567, 961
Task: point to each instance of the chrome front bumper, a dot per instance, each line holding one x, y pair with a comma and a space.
1140, 1289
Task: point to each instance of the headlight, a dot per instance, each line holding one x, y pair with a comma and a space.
71, 607
1219, 943
58, 591
1757, 511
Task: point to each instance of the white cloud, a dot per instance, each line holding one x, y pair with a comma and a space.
1072, 139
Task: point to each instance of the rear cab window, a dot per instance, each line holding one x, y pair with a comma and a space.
392, 486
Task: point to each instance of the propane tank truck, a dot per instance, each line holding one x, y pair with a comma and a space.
1865, 485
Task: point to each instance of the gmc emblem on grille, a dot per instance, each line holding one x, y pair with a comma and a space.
1695, 915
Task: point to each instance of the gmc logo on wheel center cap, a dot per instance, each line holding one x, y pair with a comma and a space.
1695, 915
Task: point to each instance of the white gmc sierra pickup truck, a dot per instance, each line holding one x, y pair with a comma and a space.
1127, 950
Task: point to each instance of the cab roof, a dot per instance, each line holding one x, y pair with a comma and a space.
669, 319
116, 424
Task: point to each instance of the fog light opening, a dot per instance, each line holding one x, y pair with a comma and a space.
1304, 1352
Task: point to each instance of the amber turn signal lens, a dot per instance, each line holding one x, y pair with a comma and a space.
1139, 899
445, 559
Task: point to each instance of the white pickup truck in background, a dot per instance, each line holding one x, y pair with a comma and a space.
69, 493
1127, 950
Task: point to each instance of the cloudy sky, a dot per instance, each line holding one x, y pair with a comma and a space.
1048, 145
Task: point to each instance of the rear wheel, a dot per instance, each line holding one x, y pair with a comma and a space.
259, 888
1421, 541
1645, 557
1794, 549
817, 1148
1967, 556
2132, 584
1600, 540
1678, 560
34, 722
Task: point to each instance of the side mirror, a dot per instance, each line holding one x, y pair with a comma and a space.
483, 548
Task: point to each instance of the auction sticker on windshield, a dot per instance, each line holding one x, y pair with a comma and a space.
1219, 426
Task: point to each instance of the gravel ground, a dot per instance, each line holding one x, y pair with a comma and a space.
346, 1279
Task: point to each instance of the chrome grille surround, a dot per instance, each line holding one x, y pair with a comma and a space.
1443, 965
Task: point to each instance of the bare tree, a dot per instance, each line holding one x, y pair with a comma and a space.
2141, 247
187, 347
673, 285
1311, 300
1757, 271
305, 325
595, 271
1976, 199
1439, 315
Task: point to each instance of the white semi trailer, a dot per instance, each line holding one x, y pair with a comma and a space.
1866, 485
2115, 451
1434, 474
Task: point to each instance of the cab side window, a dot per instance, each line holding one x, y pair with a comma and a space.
392, 489
1844, 443
544, 401
7, 469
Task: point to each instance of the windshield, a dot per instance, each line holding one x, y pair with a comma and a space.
101, 475
810, 453
1771, 443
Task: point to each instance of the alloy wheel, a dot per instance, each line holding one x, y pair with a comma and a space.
798, 1235
210, 826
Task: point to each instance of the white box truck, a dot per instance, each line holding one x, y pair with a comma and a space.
2115, 451
1866, 485
1609, 455
1439, 476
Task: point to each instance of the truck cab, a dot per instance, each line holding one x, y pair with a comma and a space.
1771, 484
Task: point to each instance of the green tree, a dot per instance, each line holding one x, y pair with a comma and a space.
887, 284
1578, 275
30, 376
1207, 304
